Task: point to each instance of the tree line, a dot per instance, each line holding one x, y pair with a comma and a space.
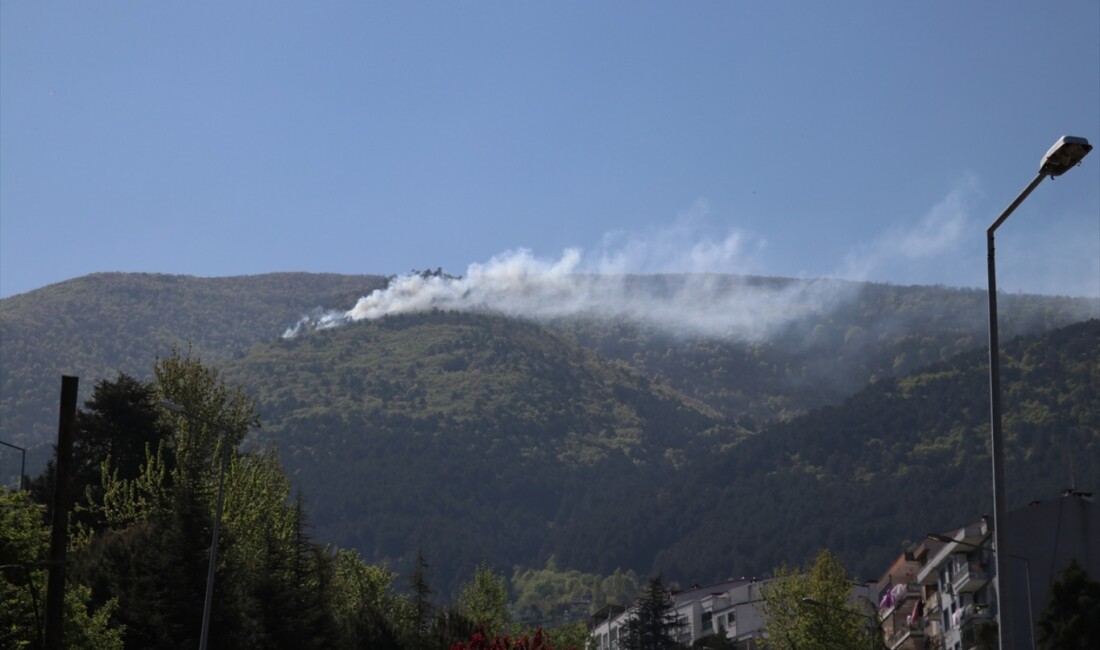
144, 481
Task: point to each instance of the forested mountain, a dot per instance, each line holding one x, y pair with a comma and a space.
97, 325
603, 443
472, 436
900, 458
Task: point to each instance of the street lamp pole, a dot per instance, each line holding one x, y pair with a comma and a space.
22, 463
209, 599
1065, 153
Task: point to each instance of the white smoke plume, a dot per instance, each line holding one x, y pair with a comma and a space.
518, 284
703, 286
923, 247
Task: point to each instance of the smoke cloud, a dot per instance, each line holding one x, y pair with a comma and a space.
519, 284
918, 251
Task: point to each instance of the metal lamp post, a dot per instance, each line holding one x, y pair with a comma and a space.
208, 601
22, 464
1065, 153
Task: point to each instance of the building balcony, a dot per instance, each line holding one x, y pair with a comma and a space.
970, 577
974, 614
898, 597
906, 639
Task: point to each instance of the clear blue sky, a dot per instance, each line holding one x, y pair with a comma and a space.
869, 140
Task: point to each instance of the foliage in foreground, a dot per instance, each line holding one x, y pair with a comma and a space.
1071, 619
24, 549
145, 490
808, 609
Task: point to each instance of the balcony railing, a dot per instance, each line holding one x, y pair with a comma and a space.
898, 640
969, 577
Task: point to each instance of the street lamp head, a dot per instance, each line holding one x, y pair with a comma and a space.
172, 406
1065, 153
940, 538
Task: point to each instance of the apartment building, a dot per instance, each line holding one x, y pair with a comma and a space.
957, 606
955, 584
731, 609
727, 608
903, 600
939, 596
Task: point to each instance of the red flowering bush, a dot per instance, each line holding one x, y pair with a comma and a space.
478, 641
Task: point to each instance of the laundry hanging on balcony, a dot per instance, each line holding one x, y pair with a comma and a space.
917, 613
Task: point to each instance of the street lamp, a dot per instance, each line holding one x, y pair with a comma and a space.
22, 464
205, 636
874, 619
1065, 153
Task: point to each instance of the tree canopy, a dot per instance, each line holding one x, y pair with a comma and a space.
1071, 619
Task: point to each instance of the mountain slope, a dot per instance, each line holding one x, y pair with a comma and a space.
97, 325
898, 459
467, 434
606, 443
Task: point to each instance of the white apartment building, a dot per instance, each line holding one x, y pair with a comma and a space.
727, 608
730, 608
954, 582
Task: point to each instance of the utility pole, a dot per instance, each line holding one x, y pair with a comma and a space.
59, 535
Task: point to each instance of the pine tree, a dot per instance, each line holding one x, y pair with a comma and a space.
654, 623
422, 595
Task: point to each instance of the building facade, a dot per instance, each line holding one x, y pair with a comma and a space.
958, 604
731, 609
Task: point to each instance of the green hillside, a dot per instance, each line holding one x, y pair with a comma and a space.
900, 458
603, 443
871, 332
469, 435
97, 325
484, 438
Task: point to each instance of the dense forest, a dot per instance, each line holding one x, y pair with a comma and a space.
144, 510
592, 445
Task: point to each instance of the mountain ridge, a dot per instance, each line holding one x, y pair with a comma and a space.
602, 442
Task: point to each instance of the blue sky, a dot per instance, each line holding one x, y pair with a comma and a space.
865, 140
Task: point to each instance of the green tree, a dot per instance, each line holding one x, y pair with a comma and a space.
654, 624
119, 422
24, 546
831, 624
272, 583
484, 600
113, 432
570, 635
1071, 618
214, 412
365, 608
422, 601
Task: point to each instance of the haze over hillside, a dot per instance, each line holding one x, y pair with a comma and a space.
610, 421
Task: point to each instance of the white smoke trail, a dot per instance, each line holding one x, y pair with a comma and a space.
518, 284
923, 248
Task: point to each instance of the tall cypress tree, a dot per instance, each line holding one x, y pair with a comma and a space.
422, 594
654, 624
